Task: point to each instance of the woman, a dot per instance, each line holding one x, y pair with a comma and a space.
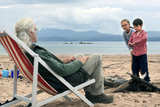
128, 30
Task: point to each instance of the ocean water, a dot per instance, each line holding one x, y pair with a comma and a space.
96, 47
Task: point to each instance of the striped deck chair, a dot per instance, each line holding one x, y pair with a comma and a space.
12, 45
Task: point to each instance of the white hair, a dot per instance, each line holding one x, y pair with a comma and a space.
23, 28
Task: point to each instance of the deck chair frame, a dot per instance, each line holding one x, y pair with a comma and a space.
35, 92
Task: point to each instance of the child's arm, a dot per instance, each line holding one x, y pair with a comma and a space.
142, 39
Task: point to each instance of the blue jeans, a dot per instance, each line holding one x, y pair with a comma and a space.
140, 63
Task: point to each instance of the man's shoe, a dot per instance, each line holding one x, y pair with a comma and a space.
102, 98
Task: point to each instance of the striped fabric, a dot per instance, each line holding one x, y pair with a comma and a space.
23, 63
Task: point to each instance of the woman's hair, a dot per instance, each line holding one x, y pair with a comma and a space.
125, 20
22, 30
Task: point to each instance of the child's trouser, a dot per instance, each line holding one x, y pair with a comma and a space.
140, 63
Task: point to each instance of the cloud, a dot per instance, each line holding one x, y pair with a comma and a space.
37, 1
81, 15
5, 7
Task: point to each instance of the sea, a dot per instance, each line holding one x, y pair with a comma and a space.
91, 47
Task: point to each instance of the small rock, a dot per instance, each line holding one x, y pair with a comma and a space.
144, 101
136, 101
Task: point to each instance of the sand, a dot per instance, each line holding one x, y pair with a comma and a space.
112, 65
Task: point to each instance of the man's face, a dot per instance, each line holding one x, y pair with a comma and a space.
125, 25
138, 28
34, 34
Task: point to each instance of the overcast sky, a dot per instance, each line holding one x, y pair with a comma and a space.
80, 15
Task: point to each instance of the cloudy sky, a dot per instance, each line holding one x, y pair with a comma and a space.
80, 15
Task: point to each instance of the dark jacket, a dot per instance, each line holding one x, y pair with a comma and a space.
72, 71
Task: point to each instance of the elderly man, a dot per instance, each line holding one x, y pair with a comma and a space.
74, 70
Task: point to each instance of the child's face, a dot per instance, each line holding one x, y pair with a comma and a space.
138, 28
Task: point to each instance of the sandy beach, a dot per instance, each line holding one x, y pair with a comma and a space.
112, 65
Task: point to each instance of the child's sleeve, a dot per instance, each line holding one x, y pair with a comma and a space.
142, 39
131, 39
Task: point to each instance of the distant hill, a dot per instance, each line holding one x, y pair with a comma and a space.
69, 35
154, 35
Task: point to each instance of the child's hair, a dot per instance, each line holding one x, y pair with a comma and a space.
137, 22
125, 20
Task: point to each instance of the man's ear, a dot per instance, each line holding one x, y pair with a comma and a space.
30, 32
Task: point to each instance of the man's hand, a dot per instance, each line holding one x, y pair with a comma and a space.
72, 58
69, 59
83, 59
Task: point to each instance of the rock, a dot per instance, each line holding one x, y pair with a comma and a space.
144, 101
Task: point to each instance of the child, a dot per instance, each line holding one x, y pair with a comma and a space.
138, 41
